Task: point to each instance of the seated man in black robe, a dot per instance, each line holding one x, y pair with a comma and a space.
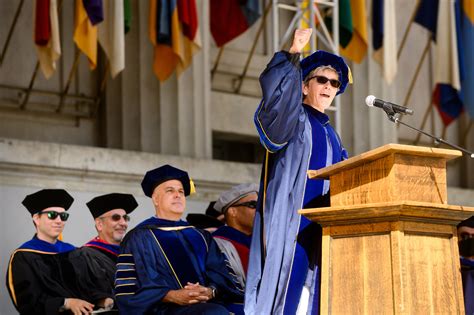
94, 264
34, 278
167, 266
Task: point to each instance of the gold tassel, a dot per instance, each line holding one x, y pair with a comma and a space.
192, 187
349, 74
60, 237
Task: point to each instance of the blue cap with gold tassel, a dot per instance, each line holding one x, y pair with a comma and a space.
165, 173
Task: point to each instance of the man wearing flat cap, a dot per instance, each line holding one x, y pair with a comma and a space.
167, 266
294, 128
238, 206
34, 280
95, 263
466, 253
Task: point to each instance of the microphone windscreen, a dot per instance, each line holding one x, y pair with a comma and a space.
369, 100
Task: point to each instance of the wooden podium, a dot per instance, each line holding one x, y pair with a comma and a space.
389, 237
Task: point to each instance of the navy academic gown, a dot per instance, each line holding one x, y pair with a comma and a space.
35, 279
161, 255
285, 250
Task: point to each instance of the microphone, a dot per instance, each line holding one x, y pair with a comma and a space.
386, 106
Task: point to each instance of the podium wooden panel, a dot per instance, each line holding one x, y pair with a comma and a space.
389, 237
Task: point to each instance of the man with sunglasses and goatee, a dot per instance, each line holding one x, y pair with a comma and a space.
293, 125
35, 279
238, 206
94, 264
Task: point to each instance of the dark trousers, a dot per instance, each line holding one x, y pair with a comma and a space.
197, 309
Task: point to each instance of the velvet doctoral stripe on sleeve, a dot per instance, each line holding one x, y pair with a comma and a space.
143, 277
280, 111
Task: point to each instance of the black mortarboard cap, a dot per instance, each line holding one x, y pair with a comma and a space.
211, 211
46, 198
165, 173
468, 222
203, 221
102, 204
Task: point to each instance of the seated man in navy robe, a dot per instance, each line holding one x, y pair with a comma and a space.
466, 253
34, 280
238, 206
167, 266
94, 264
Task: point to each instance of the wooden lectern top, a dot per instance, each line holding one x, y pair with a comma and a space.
391, 173
383, 151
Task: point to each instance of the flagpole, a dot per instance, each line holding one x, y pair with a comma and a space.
254, 45
69, 80
405, 35
443, 134
10, 31
466, 133
30, 86
216, 63
103, 84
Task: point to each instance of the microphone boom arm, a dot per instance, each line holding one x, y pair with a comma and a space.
396, 120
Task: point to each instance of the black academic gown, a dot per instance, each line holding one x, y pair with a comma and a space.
160, 255
35, 278
94, 267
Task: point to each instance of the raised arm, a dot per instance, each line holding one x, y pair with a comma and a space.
279, 112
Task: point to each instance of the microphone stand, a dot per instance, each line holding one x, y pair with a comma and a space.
395, 119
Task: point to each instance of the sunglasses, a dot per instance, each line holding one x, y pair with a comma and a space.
252, 204
116, 217
52, 215
323, 80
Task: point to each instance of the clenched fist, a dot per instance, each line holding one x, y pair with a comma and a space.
300, 39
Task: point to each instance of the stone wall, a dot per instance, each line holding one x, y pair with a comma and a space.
85, 172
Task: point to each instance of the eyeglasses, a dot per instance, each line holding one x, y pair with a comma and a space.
465, 236
322, 80
116, 217
52, 215
252, 204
